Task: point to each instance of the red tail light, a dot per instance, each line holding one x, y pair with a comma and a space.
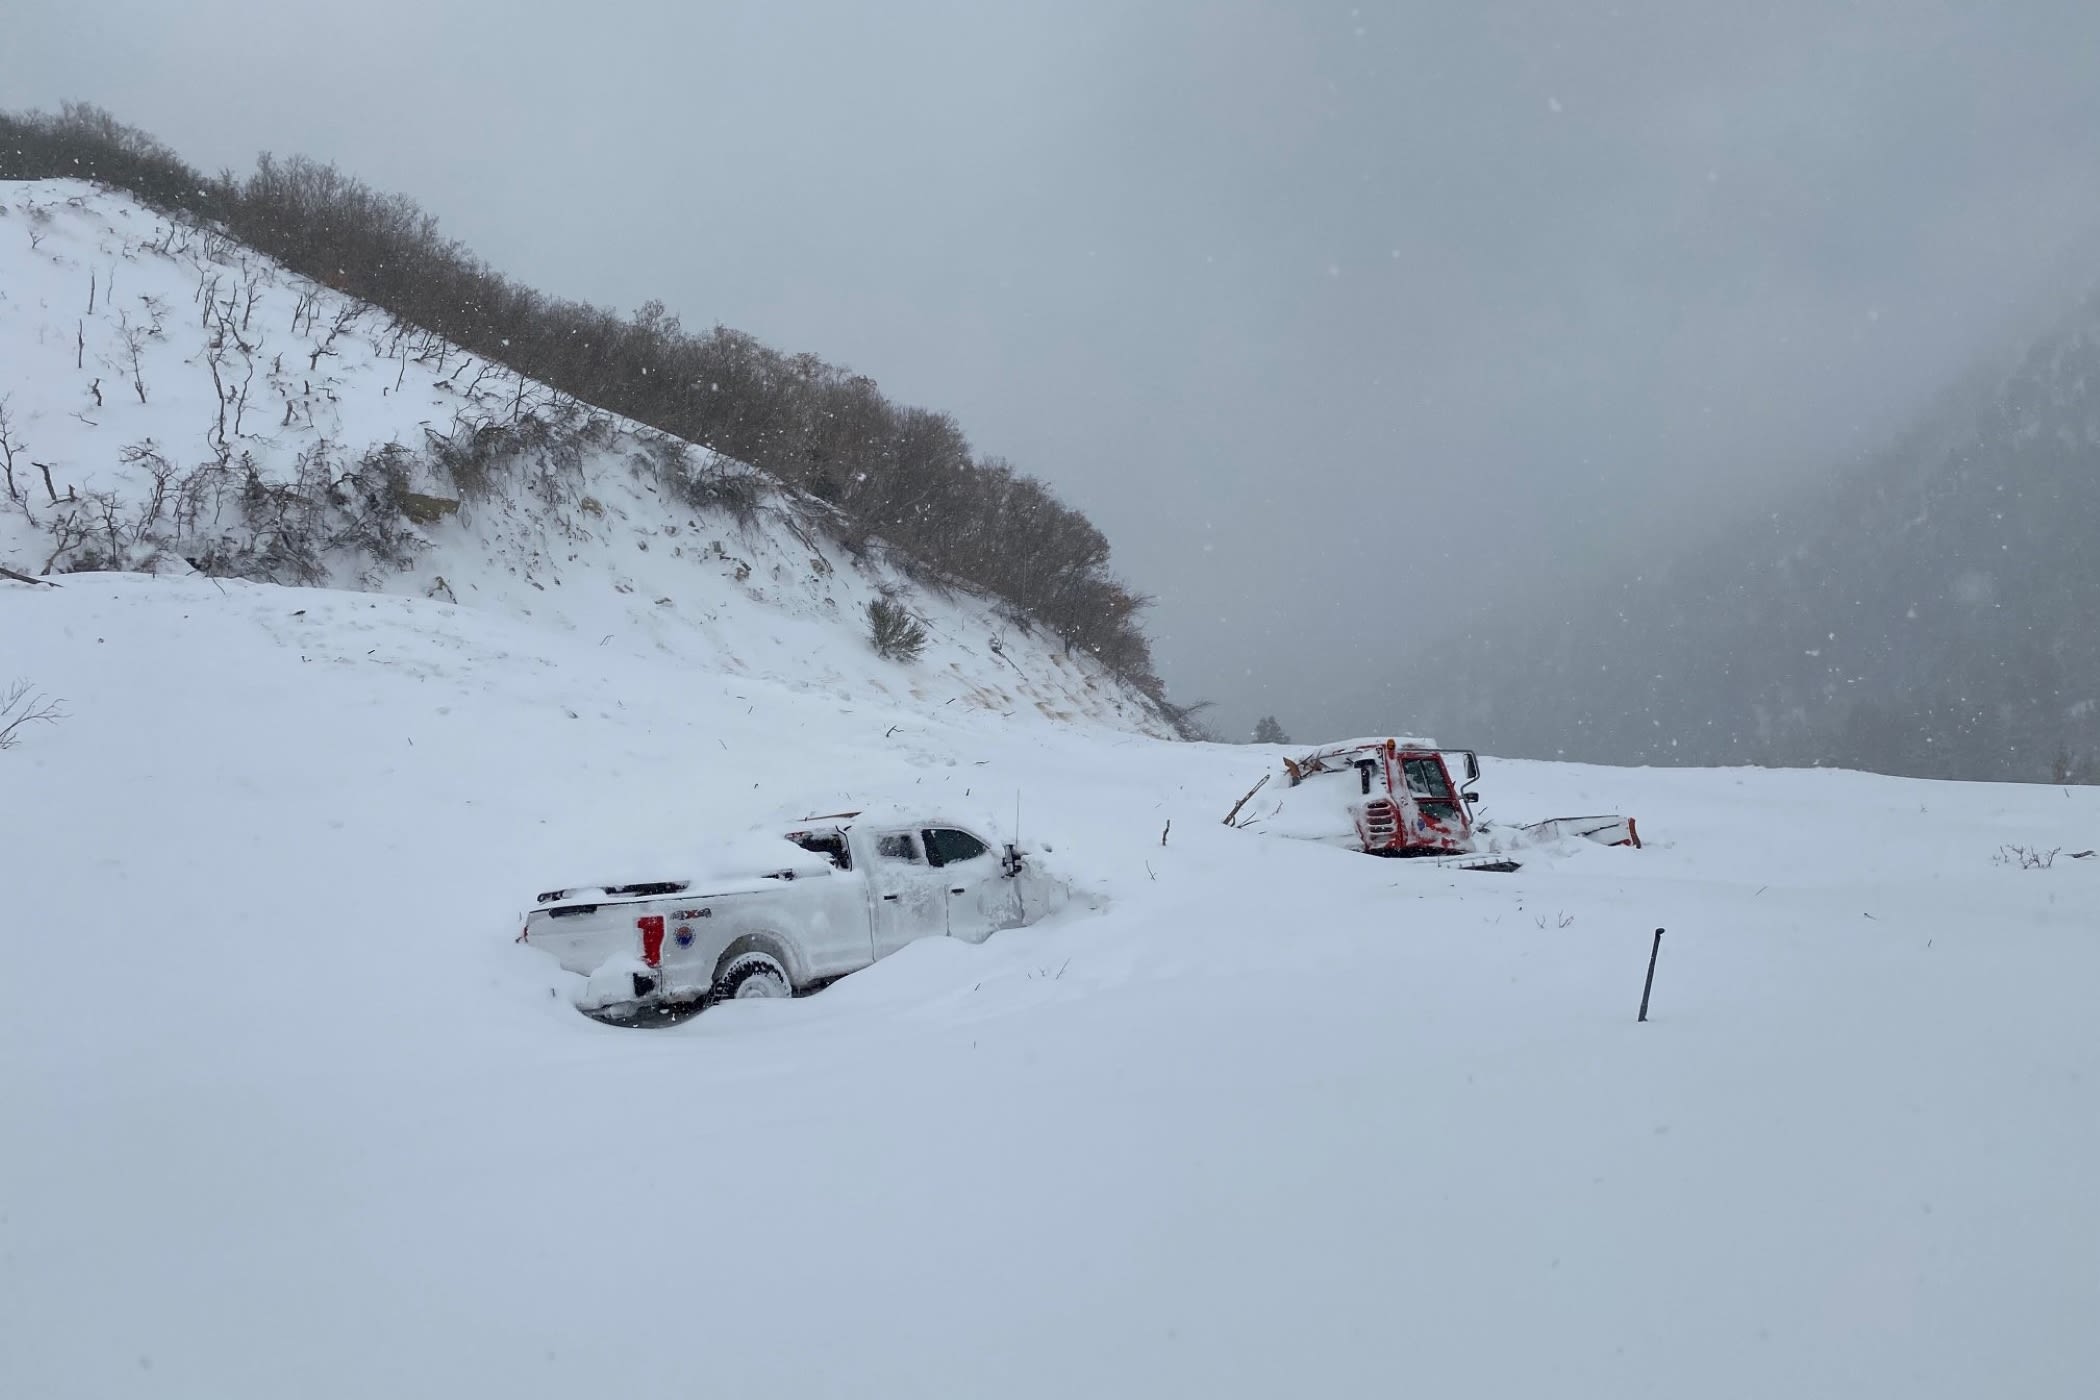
652, 927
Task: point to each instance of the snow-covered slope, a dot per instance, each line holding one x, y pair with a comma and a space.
288, 1113
240, 363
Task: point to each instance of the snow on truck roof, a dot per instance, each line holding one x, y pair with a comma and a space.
897, 814
1377, 741
711, 859
760, 852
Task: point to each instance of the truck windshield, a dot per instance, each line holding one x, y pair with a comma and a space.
1425, 777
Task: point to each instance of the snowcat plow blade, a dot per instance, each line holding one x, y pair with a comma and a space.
1494, 865
1605, 831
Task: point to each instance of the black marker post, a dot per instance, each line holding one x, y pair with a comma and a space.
1649, 985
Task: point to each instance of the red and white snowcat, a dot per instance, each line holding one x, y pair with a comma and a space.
1396, 797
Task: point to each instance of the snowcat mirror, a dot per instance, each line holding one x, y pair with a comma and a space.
1472, 797
1472, 766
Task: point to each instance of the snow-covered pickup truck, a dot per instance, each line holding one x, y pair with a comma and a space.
784, 912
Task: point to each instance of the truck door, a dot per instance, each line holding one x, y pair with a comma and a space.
981, 899
911, 896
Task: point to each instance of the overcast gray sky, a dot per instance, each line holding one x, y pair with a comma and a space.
1336, 317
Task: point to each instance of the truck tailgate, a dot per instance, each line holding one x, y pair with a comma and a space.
583, 936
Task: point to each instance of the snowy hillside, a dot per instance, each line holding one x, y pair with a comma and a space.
289, 1113
170, 396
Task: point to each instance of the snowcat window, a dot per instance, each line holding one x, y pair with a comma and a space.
1425, 778
826, 844
946, 847
898, 845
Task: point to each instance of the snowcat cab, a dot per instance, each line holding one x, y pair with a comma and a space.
1394, 797
1406, 802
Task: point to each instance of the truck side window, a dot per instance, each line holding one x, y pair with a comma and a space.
826, 844
945, 846
898, 845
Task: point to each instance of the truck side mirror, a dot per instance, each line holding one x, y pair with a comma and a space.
1011, 861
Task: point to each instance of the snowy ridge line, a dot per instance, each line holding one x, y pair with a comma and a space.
175, 402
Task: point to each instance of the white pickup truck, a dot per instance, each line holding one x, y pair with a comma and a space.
787, 912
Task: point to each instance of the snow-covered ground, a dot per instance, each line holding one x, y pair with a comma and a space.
287, 1111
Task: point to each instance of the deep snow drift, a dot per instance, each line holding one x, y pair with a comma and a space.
288, 1112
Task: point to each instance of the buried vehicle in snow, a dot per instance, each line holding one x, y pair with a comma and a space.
1396, 797
787, 911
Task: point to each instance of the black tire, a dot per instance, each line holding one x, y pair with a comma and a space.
752, 976
660, 1015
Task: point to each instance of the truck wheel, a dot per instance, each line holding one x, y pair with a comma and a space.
654, 1016
752, 975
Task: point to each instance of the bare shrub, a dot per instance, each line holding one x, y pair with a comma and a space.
894, 633
373, 508
230, 520
545, 450
473, 460
21, 705
286, 531
1187, 720
715, 485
